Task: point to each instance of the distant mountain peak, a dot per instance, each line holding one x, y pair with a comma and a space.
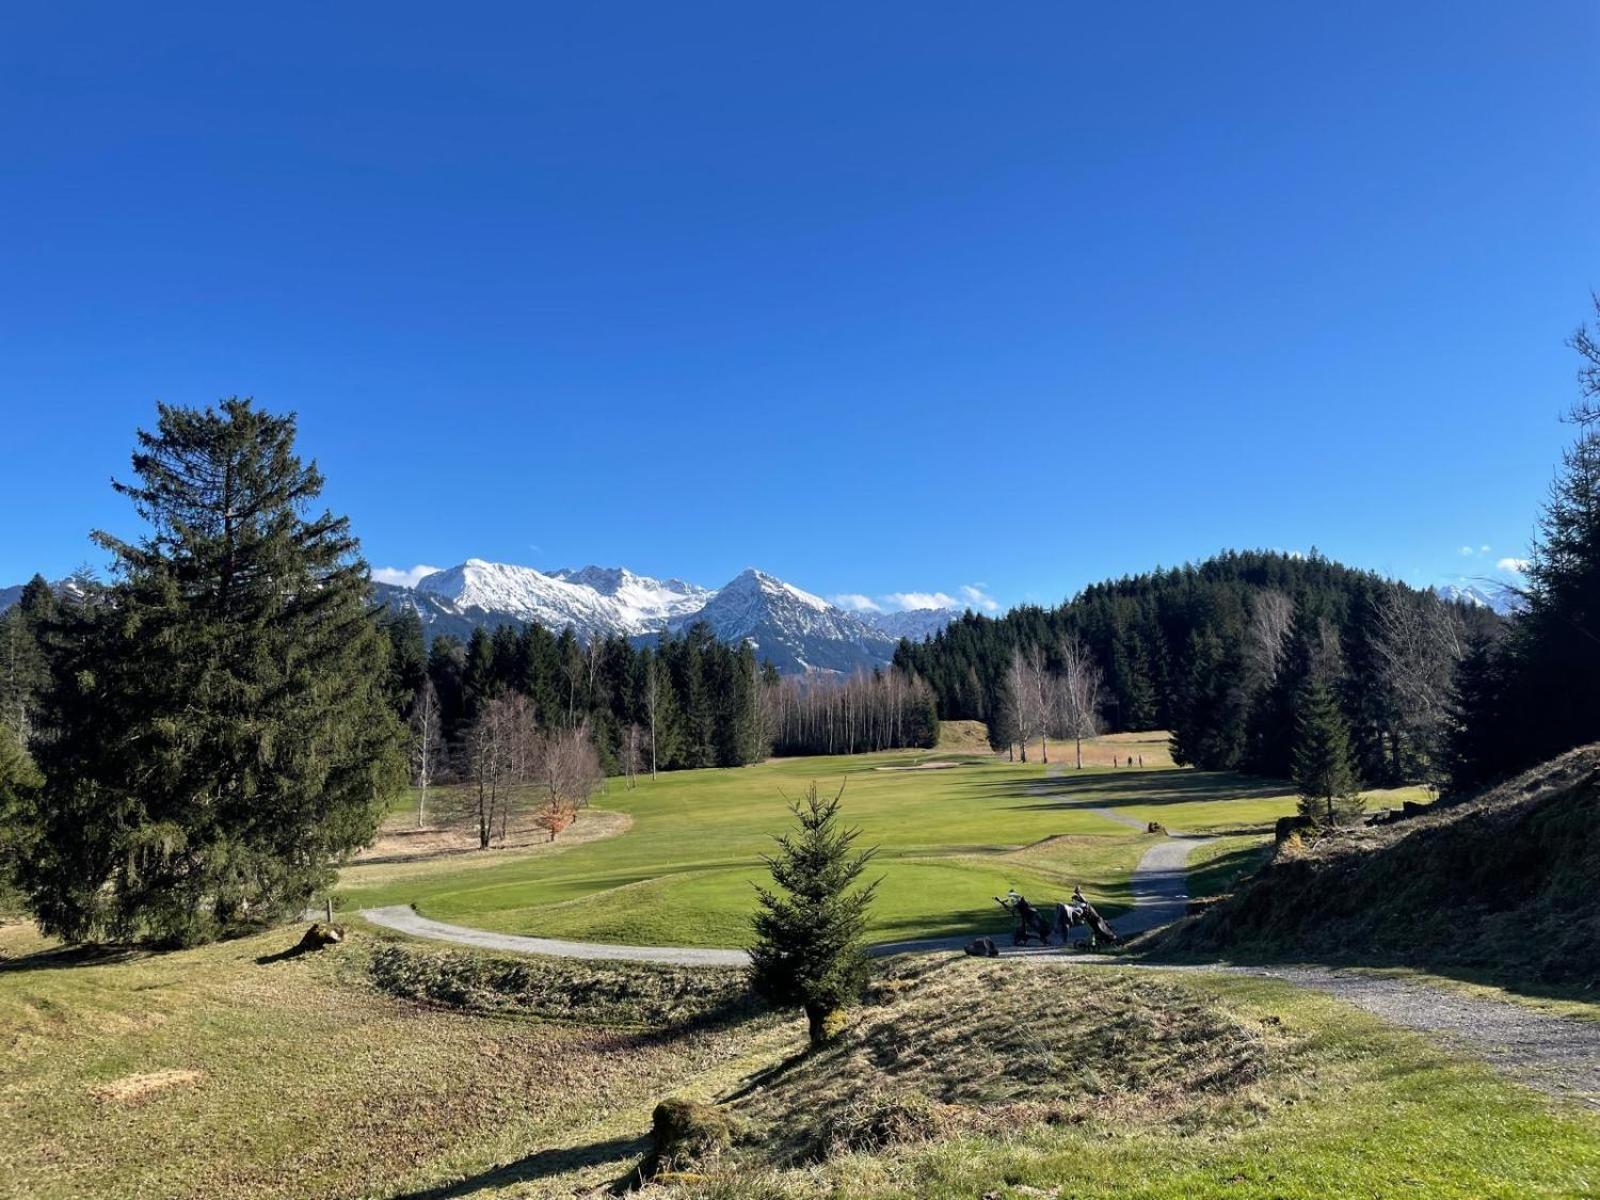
1502, 600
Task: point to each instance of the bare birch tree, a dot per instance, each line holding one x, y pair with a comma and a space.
652, 705
427, 745
1418, 643
631, 748
1080, 694
1019, 702
1266, 639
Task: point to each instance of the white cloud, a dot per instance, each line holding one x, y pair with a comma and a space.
402, 576
977, 598
1474, 551
970, 595
1465, 552
1483, 549
1518, 565
906, 601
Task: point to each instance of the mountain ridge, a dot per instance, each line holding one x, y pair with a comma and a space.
797, 631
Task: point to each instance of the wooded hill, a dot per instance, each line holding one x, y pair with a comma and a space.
1218, 651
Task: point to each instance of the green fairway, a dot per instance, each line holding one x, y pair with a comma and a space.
949, 839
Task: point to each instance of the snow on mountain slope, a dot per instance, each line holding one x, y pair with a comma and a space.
914, 623
645, 602
527, 595
1502, 601
793, 629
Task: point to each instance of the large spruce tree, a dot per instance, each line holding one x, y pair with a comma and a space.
221, 729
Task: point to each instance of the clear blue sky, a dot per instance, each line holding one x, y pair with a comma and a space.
878, 297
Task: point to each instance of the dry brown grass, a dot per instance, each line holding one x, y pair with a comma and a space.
131, 1088
962, 1046
201, 1073
451, 847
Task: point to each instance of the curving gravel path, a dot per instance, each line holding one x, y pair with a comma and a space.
407, 920
1159, 885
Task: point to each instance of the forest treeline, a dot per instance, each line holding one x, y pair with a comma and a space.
1218, 653
688, 701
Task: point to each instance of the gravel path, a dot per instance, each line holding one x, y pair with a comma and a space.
1159, 886
407, 920
1559, 1055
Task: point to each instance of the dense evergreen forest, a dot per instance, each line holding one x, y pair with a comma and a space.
1217, 652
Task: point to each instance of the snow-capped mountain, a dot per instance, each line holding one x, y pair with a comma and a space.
594, 601
914, 623
9, 596
791, 628
1501, 600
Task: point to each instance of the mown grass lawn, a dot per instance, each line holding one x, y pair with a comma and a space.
949, 839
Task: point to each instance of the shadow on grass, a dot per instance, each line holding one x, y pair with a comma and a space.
65, 957
1151, 788
537, 1166
1220, 874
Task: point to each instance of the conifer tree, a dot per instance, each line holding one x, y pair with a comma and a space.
1323, 772
19, 785
479, 684
23, 666
808, 949
221, 727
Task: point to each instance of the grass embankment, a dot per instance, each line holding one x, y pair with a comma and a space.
1032, 1081
1499, 888
207, 1073
685, 849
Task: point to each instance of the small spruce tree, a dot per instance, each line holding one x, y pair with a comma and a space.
808, 947
1323, 772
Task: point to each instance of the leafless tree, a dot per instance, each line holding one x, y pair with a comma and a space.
1080, 694
427, 745
1019, 700
631, 747
827, 715
500, 756
1266, 639
1418, 643
567, 772
653, 684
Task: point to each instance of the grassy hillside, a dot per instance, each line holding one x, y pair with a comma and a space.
1503, 883
677, 857
381, 1069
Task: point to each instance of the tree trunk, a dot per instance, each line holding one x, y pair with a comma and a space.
1080, 754
816, 1023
